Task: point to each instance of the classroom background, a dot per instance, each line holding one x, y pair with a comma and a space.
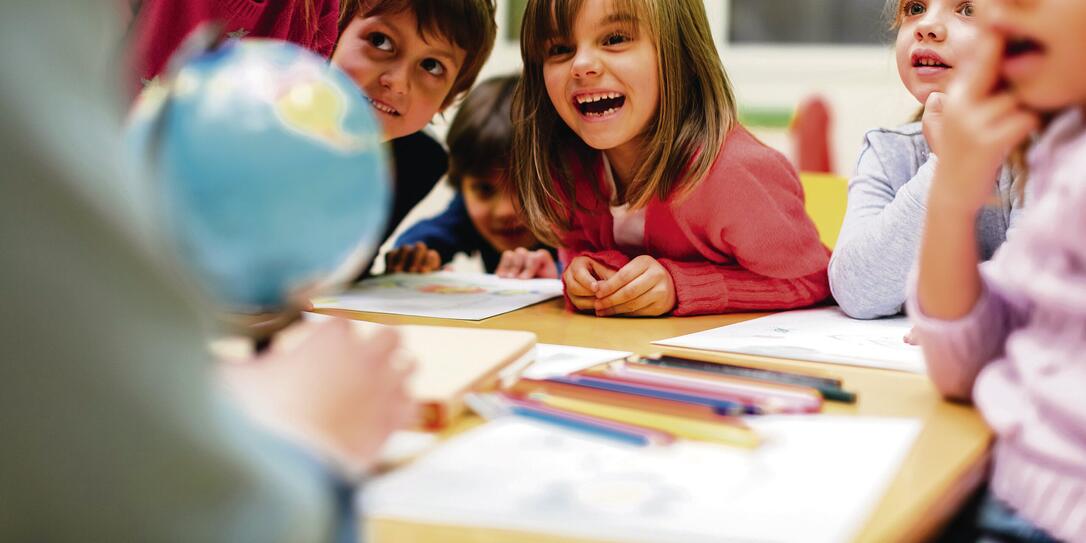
778, 54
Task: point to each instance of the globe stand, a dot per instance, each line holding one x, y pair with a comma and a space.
260, 327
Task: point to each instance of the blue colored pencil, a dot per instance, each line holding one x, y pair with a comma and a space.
573, 421
724, 407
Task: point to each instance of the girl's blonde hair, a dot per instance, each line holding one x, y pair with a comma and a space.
696, 111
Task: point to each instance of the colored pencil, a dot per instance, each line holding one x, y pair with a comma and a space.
768, 397
525, 387
729, 434
722, 406
829, 388
597, 426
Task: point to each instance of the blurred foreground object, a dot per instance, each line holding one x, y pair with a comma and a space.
270, 171
811, 129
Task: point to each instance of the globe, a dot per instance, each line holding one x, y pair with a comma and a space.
269, 169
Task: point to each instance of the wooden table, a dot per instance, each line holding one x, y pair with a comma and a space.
945, 465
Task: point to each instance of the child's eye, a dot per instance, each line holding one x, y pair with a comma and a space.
558, 50
967, 9
380, 41
483, 191
914, 8
433, 66
616, 39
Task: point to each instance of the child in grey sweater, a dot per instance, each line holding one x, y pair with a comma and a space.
887, 198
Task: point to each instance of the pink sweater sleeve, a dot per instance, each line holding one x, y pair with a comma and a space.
749, 208
707, 288
955, 351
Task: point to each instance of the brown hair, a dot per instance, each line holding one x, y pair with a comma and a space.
695, 113
481, 134
468, 24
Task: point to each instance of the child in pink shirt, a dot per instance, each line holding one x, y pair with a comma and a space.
1011, 335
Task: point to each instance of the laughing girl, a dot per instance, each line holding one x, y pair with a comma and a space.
627, 154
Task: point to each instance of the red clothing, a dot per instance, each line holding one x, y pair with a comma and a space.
740, 241
161, 25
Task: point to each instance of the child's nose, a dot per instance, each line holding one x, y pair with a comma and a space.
586, 64
931, 27
504, 208
395, 79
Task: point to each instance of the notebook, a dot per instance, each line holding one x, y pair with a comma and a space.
450, 362
443, 295
819, 335
455, 361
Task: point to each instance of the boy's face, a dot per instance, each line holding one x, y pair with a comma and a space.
405, 75
934, 37
490, 206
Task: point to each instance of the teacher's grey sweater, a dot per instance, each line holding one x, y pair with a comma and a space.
887, 201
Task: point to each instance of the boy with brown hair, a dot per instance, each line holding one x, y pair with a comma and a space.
482, 217
413, 59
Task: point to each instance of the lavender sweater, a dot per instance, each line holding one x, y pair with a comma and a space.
880, 236
1021, 352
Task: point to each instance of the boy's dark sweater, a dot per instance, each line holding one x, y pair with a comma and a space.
418, 163
452, 232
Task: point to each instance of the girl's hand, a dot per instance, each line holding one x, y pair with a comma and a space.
642, 288
911, 337
524, 264
580, 279
932, 121
328, 387
415, 258
980, 126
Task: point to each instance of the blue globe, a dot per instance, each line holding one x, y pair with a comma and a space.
270, 168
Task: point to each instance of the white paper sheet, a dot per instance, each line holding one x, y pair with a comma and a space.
444, 295
820, 335
404, 445
561, 360
816, 478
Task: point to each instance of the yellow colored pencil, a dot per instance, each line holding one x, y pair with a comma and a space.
727, 434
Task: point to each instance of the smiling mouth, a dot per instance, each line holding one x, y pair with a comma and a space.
599, 104
380, 106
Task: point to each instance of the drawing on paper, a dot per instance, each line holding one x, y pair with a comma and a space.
444, 295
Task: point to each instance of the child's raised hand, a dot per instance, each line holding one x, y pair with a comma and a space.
580, 278
524, 264
328, 387
932, 121
642, 288
414, 258
980, 126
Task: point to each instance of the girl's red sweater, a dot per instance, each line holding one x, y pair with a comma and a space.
161, 25
740, 241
